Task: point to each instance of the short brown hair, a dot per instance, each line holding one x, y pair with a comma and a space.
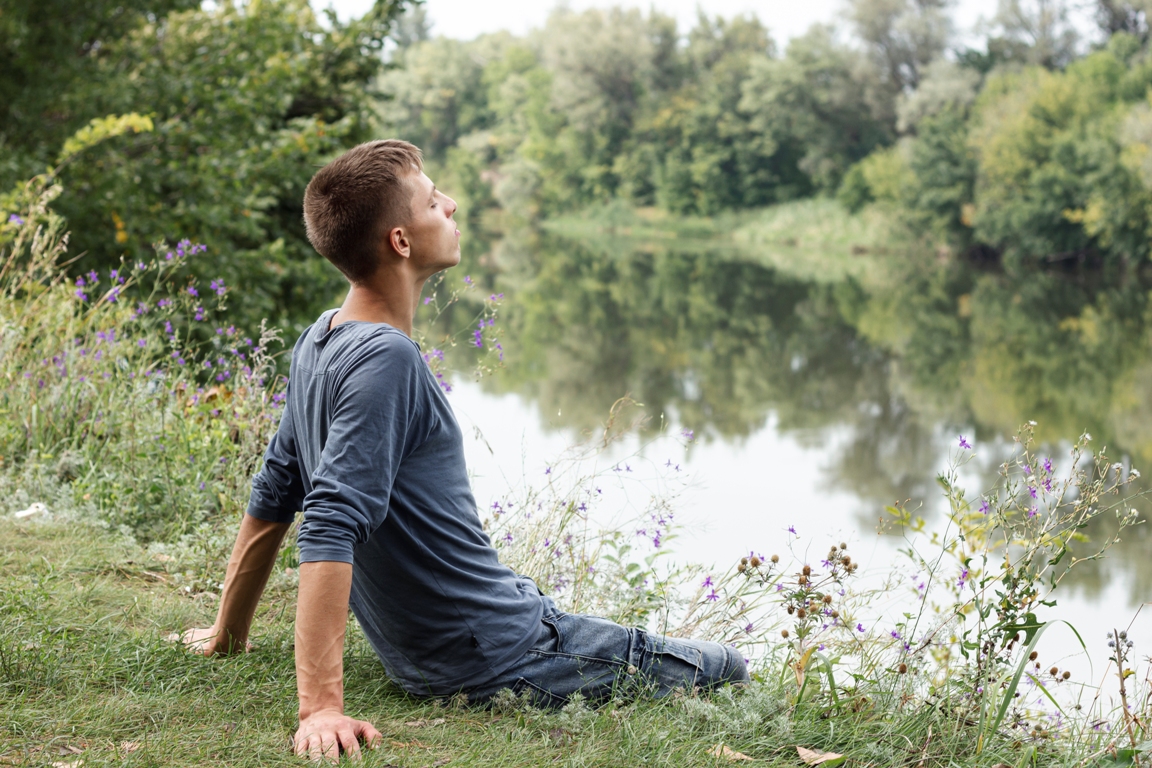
351, 202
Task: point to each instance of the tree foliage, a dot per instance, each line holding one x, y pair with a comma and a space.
246, 99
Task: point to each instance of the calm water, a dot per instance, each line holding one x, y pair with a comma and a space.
813, 405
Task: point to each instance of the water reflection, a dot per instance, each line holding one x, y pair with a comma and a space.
717, 342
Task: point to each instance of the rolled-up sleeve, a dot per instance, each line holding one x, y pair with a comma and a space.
376, 421
278, 488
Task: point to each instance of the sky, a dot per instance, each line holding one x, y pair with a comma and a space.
465, 19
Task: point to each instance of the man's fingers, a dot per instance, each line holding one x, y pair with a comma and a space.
371, 736
348, 741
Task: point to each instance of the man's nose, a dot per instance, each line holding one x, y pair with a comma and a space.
451, 206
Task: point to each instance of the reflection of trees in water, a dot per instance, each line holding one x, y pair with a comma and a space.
881, 375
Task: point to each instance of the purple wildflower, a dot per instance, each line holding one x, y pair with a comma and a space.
859, 627
15, 219
964, 443
192, 291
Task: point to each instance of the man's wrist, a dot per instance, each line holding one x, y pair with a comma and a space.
312, 708
229, 639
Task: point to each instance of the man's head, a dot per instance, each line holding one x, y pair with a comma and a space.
373, 203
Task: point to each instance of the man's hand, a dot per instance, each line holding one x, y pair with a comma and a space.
209, 641
322, 735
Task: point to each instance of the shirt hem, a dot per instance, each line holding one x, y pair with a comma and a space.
492, 672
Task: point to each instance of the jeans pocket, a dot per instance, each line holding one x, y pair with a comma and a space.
554, 642
539, 697
673, 664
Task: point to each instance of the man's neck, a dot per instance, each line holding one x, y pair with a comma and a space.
387, 297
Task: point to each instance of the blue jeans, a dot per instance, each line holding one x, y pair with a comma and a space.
598, 658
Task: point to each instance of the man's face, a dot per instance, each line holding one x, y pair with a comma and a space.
434, 238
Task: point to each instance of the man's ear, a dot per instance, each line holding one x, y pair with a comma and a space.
398, 242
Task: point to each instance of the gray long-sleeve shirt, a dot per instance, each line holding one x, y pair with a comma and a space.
369, 449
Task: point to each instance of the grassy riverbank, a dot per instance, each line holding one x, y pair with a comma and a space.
85, 675
814, 239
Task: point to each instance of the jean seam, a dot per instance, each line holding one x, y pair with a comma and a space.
579, 657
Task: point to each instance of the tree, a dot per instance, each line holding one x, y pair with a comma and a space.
901, 38
695, 149
815, 98
247, 101
47, 49
1038, 31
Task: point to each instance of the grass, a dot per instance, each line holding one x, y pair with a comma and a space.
815, 239
818, 240
86, 675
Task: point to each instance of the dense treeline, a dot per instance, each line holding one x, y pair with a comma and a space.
1035, 146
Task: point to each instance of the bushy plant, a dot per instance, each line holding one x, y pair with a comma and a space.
129, 384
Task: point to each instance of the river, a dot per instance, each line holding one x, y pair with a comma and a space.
811, 403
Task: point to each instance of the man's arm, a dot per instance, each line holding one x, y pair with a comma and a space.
321, 618
251, 562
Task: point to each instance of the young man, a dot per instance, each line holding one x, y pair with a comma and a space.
369, 449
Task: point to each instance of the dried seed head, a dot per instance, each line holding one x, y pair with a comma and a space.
1054, 671
791, 610
784, 633
835, 614
743, 561
742, 567
843, 545
847, 560
801, 613
1066, 674
755, 561
903, 668
802, 580
775, 558
807, 570
1032, 656
827, 598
